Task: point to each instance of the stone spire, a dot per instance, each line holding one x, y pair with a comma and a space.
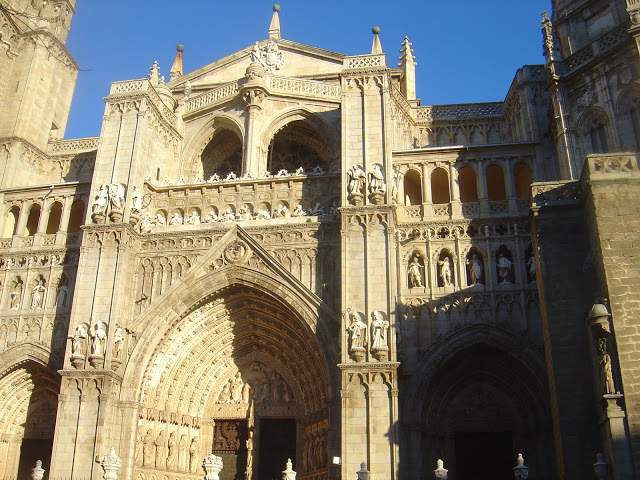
154, 73
176, 68
376, 47
407, 65
274, 27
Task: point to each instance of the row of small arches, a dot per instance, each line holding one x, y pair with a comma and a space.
496, 189
54, 221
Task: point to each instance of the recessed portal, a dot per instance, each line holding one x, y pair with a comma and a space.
31, 451
277, 444
484, 455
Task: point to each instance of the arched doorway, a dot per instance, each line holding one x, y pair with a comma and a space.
241, 374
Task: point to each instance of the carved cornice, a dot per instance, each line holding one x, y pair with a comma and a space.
369, 367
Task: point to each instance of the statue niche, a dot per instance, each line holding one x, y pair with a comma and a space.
257, 383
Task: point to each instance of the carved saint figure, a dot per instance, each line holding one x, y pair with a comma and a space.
138, 455
415, 273
161, 445
606, 372
355, 179
79, 342
249, 470
136, 201
172, 451
193, 219
176, 219
118, 339
16, 294
379, 328
183, 454
225, 394
318, 210
147, 450
37, 295
505, 268
333, 210
160, 219
531, 269
445, 271
100, 203
395, 180
116, 196
298, 211
236, 388
210, 217
61, 296
376, 180
193, 455
475, 270
357, 331
99, 336
246, 393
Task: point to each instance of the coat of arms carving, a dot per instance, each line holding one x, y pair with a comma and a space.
269, 56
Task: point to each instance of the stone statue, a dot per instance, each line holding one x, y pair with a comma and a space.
355, 180
161, 444
193, 219
333, 210
118, 340
357, 331
376, 180
210, 217
61, 296
318, 210
298, 211
193, 455
138, 454
147, 450
395, 180
225, 394
505, 268
16, 295
116, 196
475, 270
379, 328
160, 219
183, 454
531, 269
415, 273
172, 451
246, 393
176, 219
136, 201
281, 212
445, 272
99, 336
236, 388
79, 342
100, 203
37, 295
249, 470
606, 372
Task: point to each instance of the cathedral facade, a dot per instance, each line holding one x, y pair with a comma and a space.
284, 255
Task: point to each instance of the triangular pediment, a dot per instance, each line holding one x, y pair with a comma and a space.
300, 61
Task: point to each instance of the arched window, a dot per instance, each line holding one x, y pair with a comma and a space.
495, 183
629, 120
11, 222
522, 180
76, 218
298, 144
33, 220
222, 155
468, 184
55, 214
413, 188
440, 186
593, 131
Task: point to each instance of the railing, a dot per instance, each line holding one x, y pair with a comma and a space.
414, 211
74, 144
211, 97
470, 208
603, 44
365, 61
142, 85
498, 206
441, 210
304, 87
465, 110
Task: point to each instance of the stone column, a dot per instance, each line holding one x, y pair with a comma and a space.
456, 207
481, 178
512, 204
427, 202
254, 95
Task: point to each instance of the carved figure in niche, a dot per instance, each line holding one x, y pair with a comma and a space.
505, 268
193, 455
244, 213
225, 394
318, 210
138, 455
210, 217
37, 295
298, 211
262, 214
236, 388
136, 201
79, 342
116, 196
445, 272
395, 180
193, 219
606, 372
183, 454
161, 444
176, 219
148, 456
376, 180
100, 202
379, 328
16, 295
146, 224
246, 393
160, 219
227, 216
475, 270
355, 180
118, 339
249, 443
531, 269
99, 337
172, 451
61, 296
333, 210
357, 331
415, 273
281, 212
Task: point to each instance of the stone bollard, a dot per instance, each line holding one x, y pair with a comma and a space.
363, 473
520, 471
288, 473
600, 468
37, 472
440, 472
111, 465
212, 465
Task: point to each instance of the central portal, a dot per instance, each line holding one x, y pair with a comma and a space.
277, 444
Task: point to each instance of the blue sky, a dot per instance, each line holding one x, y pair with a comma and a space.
466, 50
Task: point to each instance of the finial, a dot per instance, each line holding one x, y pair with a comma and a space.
274, 27
154, 76
176, 67
376, 47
